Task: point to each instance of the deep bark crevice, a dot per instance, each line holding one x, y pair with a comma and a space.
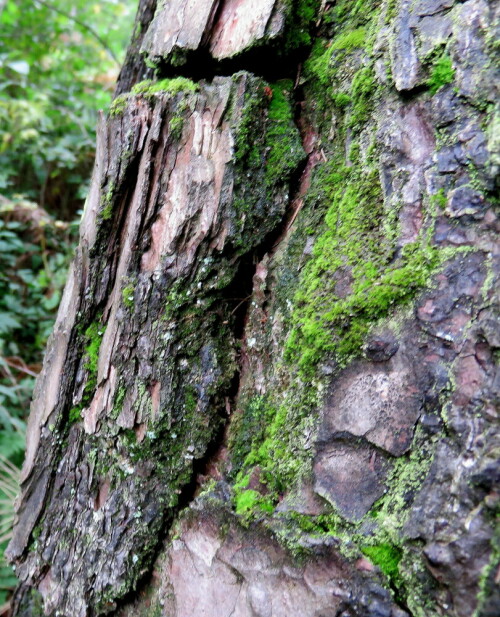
200, 65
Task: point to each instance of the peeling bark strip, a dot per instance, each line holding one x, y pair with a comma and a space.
296, 362
224, 27
142, 356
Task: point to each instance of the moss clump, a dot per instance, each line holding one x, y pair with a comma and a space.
267, 151
301, 17
92, 339
438, 201
350, 39
354, 27
75, 415
283, 145
386, 557
107, 203
278, 142
148, 88
93, 335
356, 246
128, 295
362, 93
442, 73
248, 428
118, 106
249, 501
175, 127
487, 580
341, 99
190, 399
280, 452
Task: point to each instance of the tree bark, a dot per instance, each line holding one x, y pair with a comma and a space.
272, 387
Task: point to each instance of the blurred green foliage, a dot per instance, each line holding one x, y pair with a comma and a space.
58, 66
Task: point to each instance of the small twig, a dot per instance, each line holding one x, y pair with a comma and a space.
297, 79
20, 367
82, 25
240, 303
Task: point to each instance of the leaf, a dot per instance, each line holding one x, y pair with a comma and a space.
19, 66
7, 322
11, 443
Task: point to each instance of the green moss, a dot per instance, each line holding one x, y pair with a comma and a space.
75, 415
363, 88
246, 150
487, 580
442, 73
249, 502
93, 335
148, 88
358, 246
129, 437
32, 604
118, 402
175, 127
355, 27
350, 39
438, 200
128, 295
35, 534
280, 452
248, 428
276, 144
119, 104
283, 144
190, 399
341, 99
107, 203
351, 13
150, 64
302, 16
386, 557
92, 340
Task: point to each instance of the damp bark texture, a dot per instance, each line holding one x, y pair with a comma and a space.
273, 384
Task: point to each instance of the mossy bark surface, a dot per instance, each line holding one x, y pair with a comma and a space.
272, 388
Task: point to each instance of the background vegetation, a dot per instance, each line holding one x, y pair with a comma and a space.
58, 66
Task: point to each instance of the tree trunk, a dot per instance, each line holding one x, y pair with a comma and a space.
272, 387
